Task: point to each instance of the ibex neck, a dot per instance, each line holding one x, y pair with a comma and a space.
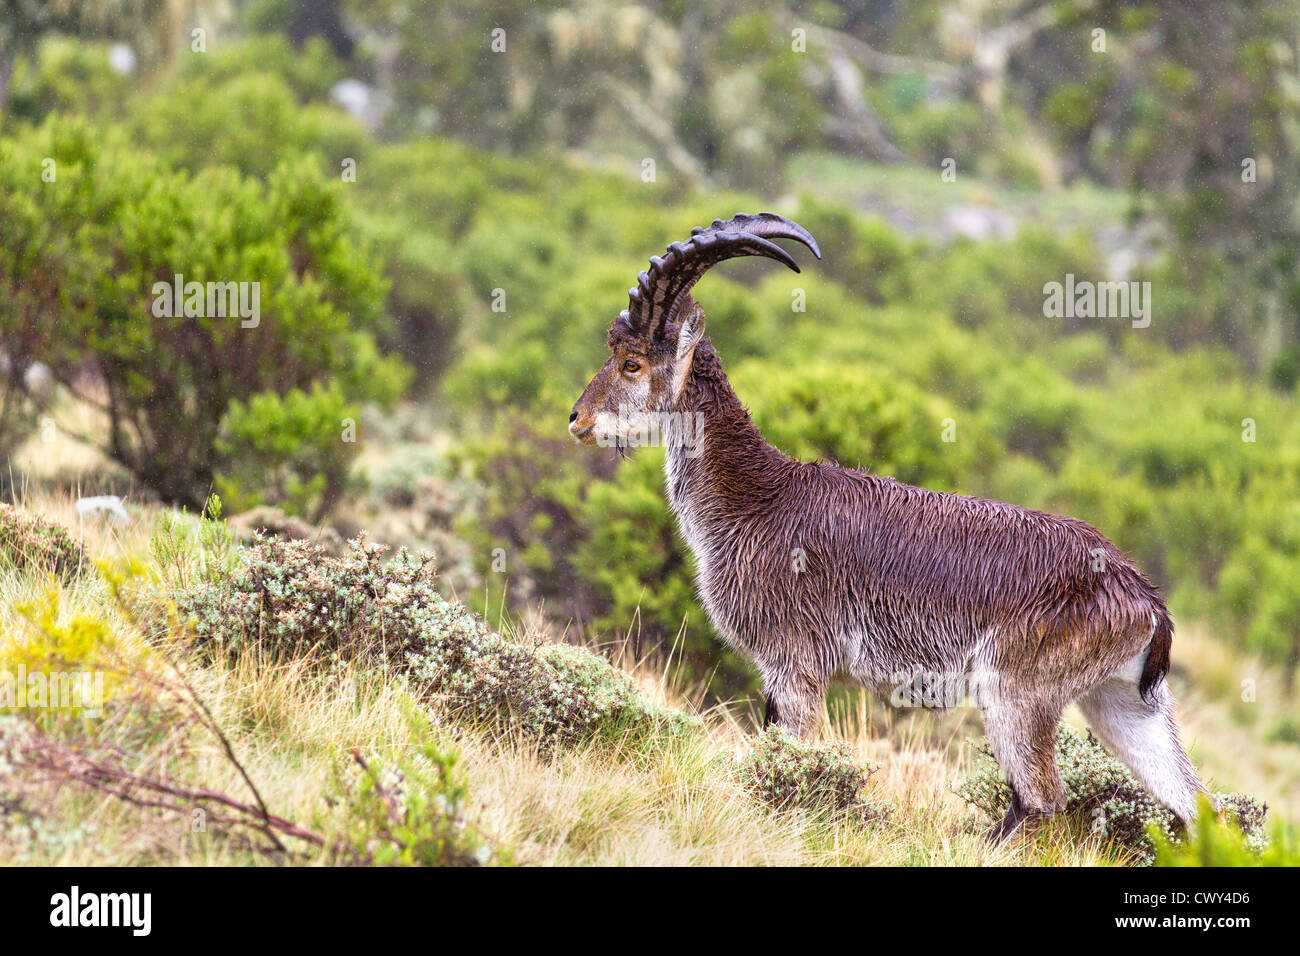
725, 467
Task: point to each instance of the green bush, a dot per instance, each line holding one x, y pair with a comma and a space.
191, 548
869, 257
103, 243
69, 76
293, 450
1103, 799
790, 775
272, 106
33, 542
857, 415
292, 598
1216, 843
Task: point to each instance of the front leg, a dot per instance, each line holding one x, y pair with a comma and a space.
793, 699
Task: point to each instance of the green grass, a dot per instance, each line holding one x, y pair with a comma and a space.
294, 728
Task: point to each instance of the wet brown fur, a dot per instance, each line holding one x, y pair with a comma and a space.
893, 581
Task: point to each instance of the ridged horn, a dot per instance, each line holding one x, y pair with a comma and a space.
653, 301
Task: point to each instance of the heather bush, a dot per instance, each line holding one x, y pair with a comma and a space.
288, 597
1215, 842
552, 693
291, 597
1103, 798
818, 778
33, 542
413, 811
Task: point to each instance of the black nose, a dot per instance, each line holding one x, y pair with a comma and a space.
573, 416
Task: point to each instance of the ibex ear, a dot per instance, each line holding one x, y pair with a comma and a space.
691, 332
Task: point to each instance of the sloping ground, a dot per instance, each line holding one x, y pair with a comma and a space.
280, 705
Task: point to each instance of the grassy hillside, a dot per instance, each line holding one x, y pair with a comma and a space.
510, 750
435, 290
475, 287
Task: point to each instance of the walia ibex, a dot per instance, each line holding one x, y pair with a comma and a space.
819, 572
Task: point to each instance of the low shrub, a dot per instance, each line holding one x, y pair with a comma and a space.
292, 597
33, 542
553, 693
414, 811
1214, 842
289, 597
818, 778
1104, 798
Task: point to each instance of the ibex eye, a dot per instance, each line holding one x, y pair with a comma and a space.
631, 366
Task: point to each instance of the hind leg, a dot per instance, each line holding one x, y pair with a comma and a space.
1022, 733
1145, 737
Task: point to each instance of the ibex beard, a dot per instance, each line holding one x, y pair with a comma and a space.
889, 579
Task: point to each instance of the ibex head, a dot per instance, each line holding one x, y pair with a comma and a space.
652, 342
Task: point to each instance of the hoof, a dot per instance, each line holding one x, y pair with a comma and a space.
1009, 824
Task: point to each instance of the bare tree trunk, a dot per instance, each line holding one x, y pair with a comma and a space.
6, 74
658, 129
1292, 664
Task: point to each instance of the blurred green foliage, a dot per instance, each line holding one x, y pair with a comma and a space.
495, 277
1218, 843
96, 232
294, 450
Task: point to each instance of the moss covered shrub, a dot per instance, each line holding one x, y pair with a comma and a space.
292, 597
553, 693
1104, 798
33, 542
817, 778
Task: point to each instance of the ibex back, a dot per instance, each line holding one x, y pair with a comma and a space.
818, 572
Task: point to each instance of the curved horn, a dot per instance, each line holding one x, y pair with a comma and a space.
653, 301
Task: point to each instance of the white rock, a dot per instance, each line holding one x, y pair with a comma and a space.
362, 101
110, 505
980, 223
39, 380
122, 59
